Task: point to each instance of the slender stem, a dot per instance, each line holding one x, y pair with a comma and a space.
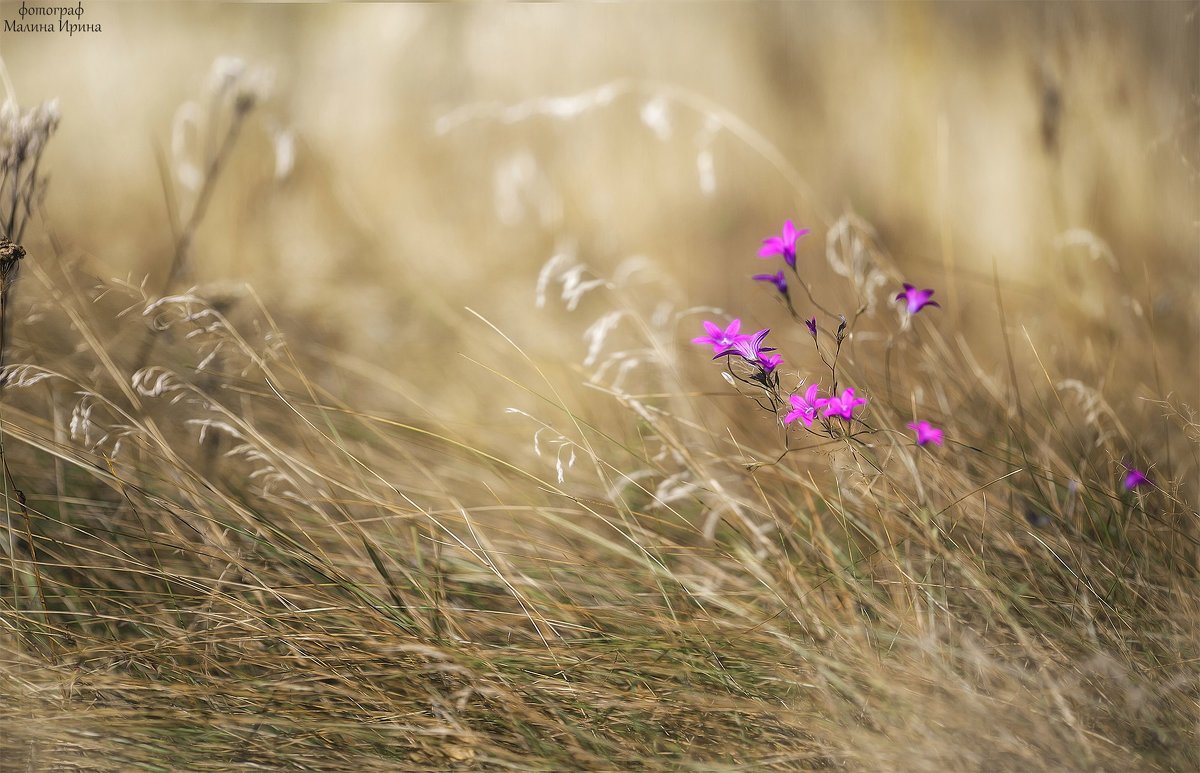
808, 291
215, 166
184, 243
31, 190
11, 225
5, 170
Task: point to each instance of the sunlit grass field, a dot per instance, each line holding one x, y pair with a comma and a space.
352, 418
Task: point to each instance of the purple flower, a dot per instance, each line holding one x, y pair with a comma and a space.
748, 347
784, 244
811, 324
841, 406
776, 279
1135, 478
803, 408
926, 433
721, 339
917, 299
769, 363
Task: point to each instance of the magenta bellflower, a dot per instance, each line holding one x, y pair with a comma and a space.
784, 244
776, 279
769, 362
721, 339
926, 433
842, 407
1135, 478
917, 299
748, 347
804, 407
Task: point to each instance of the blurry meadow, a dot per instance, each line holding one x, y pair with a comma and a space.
351, 418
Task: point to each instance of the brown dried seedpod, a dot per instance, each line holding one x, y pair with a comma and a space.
10, 260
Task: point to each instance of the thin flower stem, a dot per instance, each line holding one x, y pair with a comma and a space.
808, 291
758, 465
792, 309
833, 367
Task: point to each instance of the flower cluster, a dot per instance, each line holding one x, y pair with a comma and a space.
812, 407
729, 342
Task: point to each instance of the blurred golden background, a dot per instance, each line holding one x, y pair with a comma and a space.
435, 157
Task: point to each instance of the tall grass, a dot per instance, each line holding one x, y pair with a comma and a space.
222, 562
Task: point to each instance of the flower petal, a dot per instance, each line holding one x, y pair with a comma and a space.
771, 247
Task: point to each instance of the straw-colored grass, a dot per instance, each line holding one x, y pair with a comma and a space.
220, 568
216, 556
